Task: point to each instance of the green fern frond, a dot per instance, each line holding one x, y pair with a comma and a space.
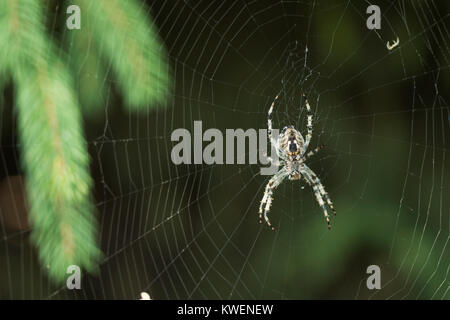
57, 169
54, 151
125, 36
88, 70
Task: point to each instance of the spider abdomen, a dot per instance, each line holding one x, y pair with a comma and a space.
291, 141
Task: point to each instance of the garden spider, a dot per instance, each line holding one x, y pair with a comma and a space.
291, 150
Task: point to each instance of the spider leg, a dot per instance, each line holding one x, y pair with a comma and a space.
325, 196
312, 152
309, 124
322, 191
267, 199
320, 201
274, 143
319, 192
320, 186
269, 123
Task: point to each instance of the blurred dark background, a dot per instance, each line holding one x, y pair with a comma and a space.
192, 231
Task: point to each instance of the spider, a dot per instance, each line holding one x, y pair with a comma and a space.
291, 149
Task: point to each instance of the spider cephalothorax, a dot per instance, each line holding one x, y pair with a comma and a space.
291, 149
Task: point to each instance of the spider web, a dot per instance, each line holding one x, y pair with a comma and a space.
191, 231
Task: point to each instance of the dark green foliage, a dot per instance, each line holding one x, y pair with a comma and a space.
54, 151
